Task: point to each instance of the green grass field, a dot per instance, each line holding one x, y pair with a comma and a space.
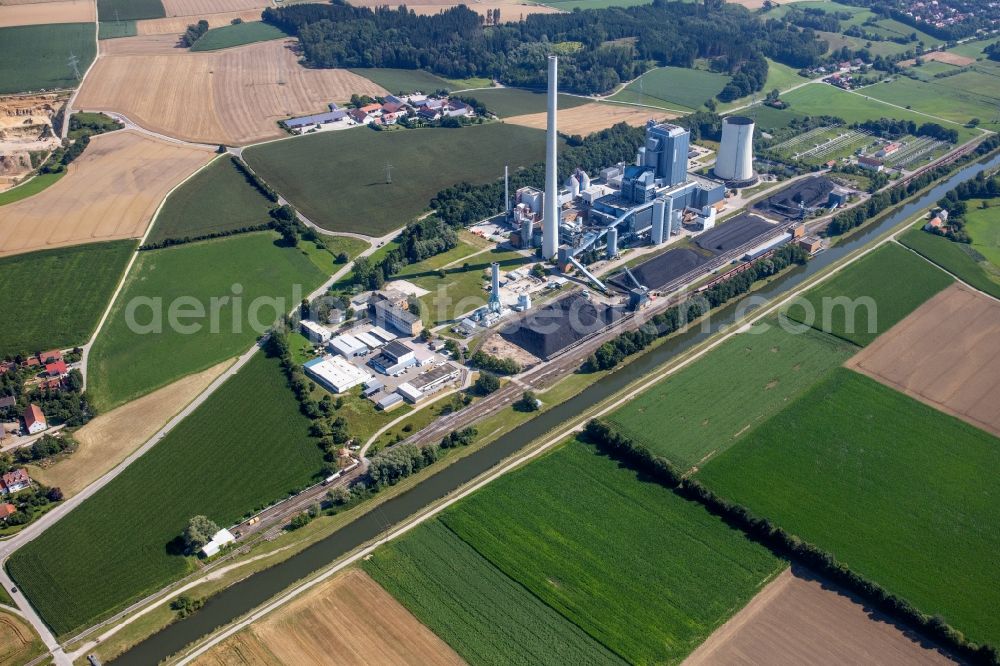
779, 77
508, 102
337, 179
404, 80
647, 574
957, 258
898, 491
247, 445
974, 49
125, 364
821, 99
239, 34
485, 616
129, 10
983, 225
871, 295
218, 198
677, 88
54, 298
116, 29
35, 57
30, 188
958, 98
687, 418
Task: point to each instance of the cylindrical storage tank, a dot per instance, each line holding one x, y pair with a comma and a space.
574, 186
640, 156
612, 242
659, 210
584, 181
735, 158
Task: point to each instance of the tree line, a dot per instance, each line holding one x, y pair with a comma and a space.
783, 543
955, 200
614, 351
618, 43
419, 240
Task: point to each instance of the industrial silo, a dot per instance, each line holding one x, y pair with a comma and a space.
734, 162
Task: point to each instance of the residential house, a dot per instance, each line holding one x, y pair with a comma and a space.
56, 368
392, 107
15, 481
34, 419
7, 510
934, 223
50, 356
458, 109
429, 114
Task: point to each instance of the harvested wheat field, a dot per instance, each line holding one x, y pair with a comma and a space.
946, 353
177, 25
110, 438
234, 96
941, 56
142, 45
348, 620
197, 8
18, 642
799, 620
592, 117
110, 192
63, 11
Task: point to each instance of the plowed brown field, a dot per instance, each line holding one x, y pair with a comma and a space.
941, 56
797, 621
176, 26
200, 7
589, 118
234, 96
348, 620
62, 11
18, 643
946, 353
110, 192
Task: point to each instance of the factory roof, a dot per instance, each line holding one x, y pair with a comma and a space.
433, 376
336, 372
369, 340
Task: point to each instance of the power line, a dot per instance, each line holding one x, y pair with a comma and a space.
74, 64
388, 173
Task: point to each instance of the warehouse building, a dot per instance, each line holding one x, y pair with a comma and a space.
395, 358
336, 374
348, 346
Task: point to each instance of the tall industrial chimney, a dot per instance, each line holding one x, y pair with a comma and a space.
550, 230
494, 303
506, 193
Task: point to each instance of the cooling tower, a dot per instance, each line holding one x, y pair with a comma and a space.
550, 219
735, 159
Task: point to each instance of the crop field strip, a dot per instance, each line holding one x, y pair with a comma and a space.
228, 36
486, 617
688, 420
129, 10
110, 192
898, 490
219, 462
34, 56
66, 311
677, 87
349, 192
218, 198
870, 296
647, 574
957, 258
62, 11
126, 364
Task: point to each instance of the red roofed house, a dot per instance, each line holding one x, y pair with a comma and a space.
935, 223
15, 480
6, 510
50, 356
56, 368
34, 419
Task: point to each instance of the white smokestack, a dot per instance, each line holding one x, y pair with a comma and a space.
550, 232
506, 192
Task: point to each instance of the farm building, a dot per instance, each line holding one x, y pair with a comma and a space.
219, 539
34, 419
15, 480
317, 334
336, 374
304, 122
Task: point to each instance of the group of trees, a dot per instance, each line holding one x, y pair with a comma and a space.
494, 364
612, 352
892, 128
29, 502
782, 542
486, 383
617, 43
877, 203
464, 204
194, 32
457, 438
44, 447
955, 202
419, 240
390, 466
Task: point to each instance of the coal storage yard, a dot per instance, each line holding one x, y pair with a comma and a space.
734, 233
551, 329
789, 203
662, 269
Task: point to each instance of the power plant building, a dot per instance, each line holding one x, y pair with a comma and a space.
734, 162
